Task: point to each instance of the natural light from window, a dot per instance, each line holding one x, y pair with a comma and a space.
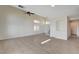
36, 21
36, 25
47, 22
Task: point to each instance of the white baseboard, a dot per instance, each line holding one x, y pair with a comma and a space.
3, 37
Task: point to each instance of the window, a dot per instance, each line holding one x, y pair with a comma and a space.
36, 21
36, 25
47, 22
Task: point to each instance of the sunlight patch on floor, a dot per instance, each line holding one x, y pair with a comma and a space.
45, 41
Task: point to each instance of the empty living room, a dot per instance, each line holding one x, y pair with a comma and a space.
39, 29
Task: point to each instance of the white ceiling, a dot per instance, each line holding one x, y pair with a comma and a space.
56, 11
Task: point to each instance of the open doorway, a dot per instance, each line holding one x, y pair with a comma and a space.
74, 28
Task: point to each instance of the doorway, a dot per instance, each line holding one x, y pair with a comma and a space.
74, 28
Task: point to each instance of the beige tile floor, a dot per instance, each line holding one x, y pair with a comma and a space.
32, 45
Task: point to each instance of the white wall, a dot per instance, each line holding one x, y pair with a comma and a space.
68, 27
58, 28
14, 23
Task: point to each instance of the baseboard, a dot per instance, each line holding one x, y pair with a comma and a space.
17, 35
